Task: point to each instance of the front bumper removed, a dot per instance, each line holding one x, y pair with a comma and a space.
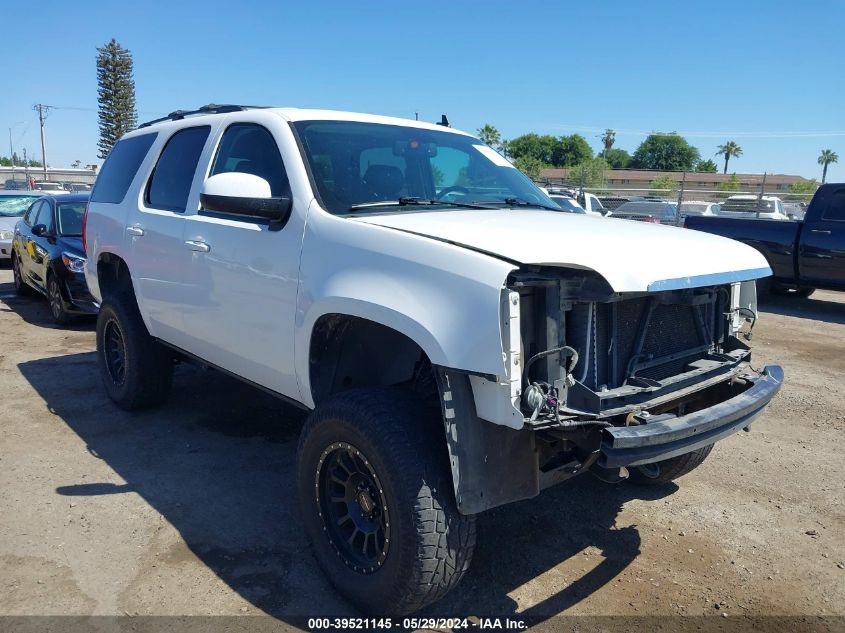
666, 438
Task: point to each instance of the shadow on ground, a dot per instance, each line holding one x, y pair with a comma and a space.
217, 461
34, 309
811, 308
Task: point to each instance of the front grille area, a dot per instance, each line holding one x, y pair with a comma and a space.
650, 337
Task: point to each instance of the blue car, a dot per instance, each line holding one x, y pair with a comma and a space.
47, 255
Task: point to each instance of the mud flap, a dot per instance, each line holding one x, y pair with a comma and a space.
491, 464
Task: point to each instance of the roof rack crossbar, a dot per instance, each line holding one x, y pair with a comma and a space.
211, 108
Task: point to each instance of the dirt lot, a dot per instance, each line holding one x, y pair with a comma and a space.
191, 509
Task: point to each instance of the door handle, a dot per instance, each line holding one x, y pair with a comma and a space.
137, 231
819, 232
200, 247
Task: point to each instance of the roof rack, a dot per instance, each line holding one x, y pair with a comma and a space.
211, 108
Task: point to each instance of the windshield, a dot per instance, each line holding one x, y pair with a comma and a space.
13, 206
357, 164
748, 205
70, 218
647, 209
567, 204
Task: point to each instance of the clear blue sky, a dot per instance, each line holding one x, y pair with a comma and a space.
766, 74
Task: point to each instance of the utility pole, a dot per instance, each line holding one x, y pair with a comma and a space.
12, 155
680, 200
42, 114
25, 168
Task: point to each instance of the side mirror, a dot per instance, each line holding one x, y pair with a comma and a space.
244, 194
39, 230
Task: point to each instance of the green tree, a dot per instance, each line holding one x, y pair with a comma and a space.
530, 166
76, 164
608, 139
532, 146
589, 173
727, 150
827, 157
731, 184
804, 186
568, 151
489, 135
706, 166
5, 161
116, 95
664, 186
617, 158
667, 152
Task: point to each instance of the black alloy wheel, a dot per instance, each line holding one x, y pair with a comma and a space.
114, 352
57, 302
352, 505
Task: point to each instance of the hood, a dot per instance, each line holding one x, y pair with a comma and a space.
631, 256
8, 223
71, 244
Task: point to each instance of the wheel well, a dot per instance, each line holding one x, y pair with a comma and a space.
112, 274
352, 353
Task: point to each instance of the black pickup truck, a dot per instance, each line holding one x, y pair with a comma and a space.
803, 255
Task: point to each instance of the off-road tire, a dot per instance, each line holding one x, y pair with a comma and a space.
661, 473
56, 301
147, 365
22, 289
430, 543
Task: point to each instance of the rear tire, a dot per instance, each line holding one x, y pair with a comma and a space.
421, 545
21, 287
804, 293
137, 371
661, 473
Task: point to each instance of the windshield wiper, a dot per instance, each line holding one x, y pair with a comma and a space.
519, 202
410, 201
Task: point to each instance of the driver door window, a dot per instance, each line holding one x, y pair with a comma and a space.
248, 148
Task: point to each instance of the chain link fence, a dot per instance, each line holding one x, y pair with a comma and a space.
670, 199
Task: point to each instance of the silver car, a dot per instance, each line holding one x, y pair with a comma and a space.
13, 204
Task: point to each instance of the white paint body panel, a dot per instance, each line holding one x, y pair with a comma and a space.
631, 256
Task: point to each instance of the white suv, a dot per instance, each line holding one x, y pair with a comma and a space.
460, 343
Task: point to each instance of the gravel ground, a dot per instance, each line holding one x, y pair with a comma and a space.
191, 509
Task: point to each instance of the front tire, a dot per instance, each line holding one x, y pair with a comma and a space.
376, 497
56, 301
136, 370
661, 473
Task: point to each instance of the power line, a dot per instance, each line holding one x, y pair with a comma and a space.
701, 134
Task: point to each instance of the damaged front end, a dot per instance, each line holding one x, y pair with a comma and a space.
601, 381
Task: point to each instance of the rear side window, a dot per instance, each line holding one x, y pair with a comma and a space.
836, 206
120, 167
170, 183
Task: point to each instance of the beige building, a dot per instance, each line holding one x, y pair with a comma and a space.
641, 179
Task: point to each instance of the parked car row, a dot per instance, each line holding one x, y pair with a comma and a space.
42, 237
47, 187
803, 255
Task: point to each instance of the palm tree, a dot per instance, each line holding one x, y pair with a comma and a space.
489, 135
727, 150
608, 139
827, 157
